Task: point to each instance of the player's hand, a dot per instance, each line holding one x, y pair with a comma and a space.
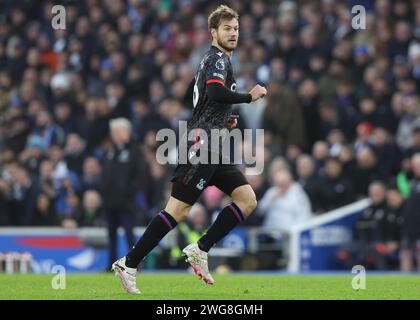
233, 121
258, 92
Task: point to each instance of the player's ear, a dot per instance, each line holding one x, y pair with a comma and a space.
213, 32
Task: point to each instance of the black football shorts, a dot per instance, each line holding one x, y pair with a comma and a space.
190, 180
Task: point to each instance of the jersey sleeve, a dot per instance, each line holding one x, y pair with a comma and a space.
217, 70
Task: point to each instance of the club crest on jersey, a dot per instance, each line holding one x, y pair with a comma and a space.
220, 64
200, 185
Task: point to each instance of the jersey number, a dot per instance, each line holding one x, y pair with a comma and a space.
196, 94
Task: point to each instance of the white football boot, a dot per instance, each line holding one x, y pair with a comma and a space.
127, 276
198, 261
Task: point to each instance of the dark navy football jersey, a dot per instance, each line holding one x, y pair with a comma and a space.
207, 114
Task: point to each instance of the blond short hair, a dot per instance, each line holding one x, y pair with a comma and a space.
222, 12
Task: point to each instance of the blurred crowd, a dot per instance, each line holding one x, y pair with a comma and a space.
342, 110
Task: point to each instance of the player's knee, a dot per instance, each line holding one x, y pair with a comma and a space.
252, 204
180, 216
248, 205
177, 209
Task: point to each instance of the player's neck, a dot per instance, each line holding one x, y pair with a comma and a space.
228, 53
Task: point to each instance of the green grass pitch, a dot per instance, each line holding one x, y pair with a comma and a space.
169, 286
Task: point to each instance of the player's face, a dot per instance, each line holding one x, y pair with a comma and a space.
227, 34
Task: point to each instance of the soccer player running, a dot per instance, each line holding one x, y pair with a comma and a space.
213, 93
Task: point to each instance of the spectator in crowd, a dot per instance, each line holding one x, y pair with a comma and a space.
410, 119
122, 171
33, 154
411, 226
366, 170
348, 114
92, 214
309, 98
23, 197
309, 181
44, 214
320, 153
49, 132
335, 189
387, 152
92, 174
74, 153
64, 118
389, 231
4, 203
415, 148
67, 201
346, 157
363, 136
363, 249
404, 176
285, 205
283, 116
46, 182
56, 155
146, 119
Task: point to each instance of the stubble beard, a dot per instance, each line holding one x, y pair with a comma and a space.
225, 46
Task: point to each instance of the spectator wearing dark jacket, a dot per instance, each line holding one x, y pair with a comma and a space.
92, 174
4, 202
366, 170
93, 127
24, 194
92, 214
309, 98
49, 132
387, 153
74, 153
283, 116
145, 119
33, 155
385, 251
44, 214
415, 148
122, 171
411, 226
67, 204
361, 249
309, 181
336, 189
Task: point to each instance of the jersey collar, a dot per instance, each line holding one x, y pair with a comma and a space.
218, 51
